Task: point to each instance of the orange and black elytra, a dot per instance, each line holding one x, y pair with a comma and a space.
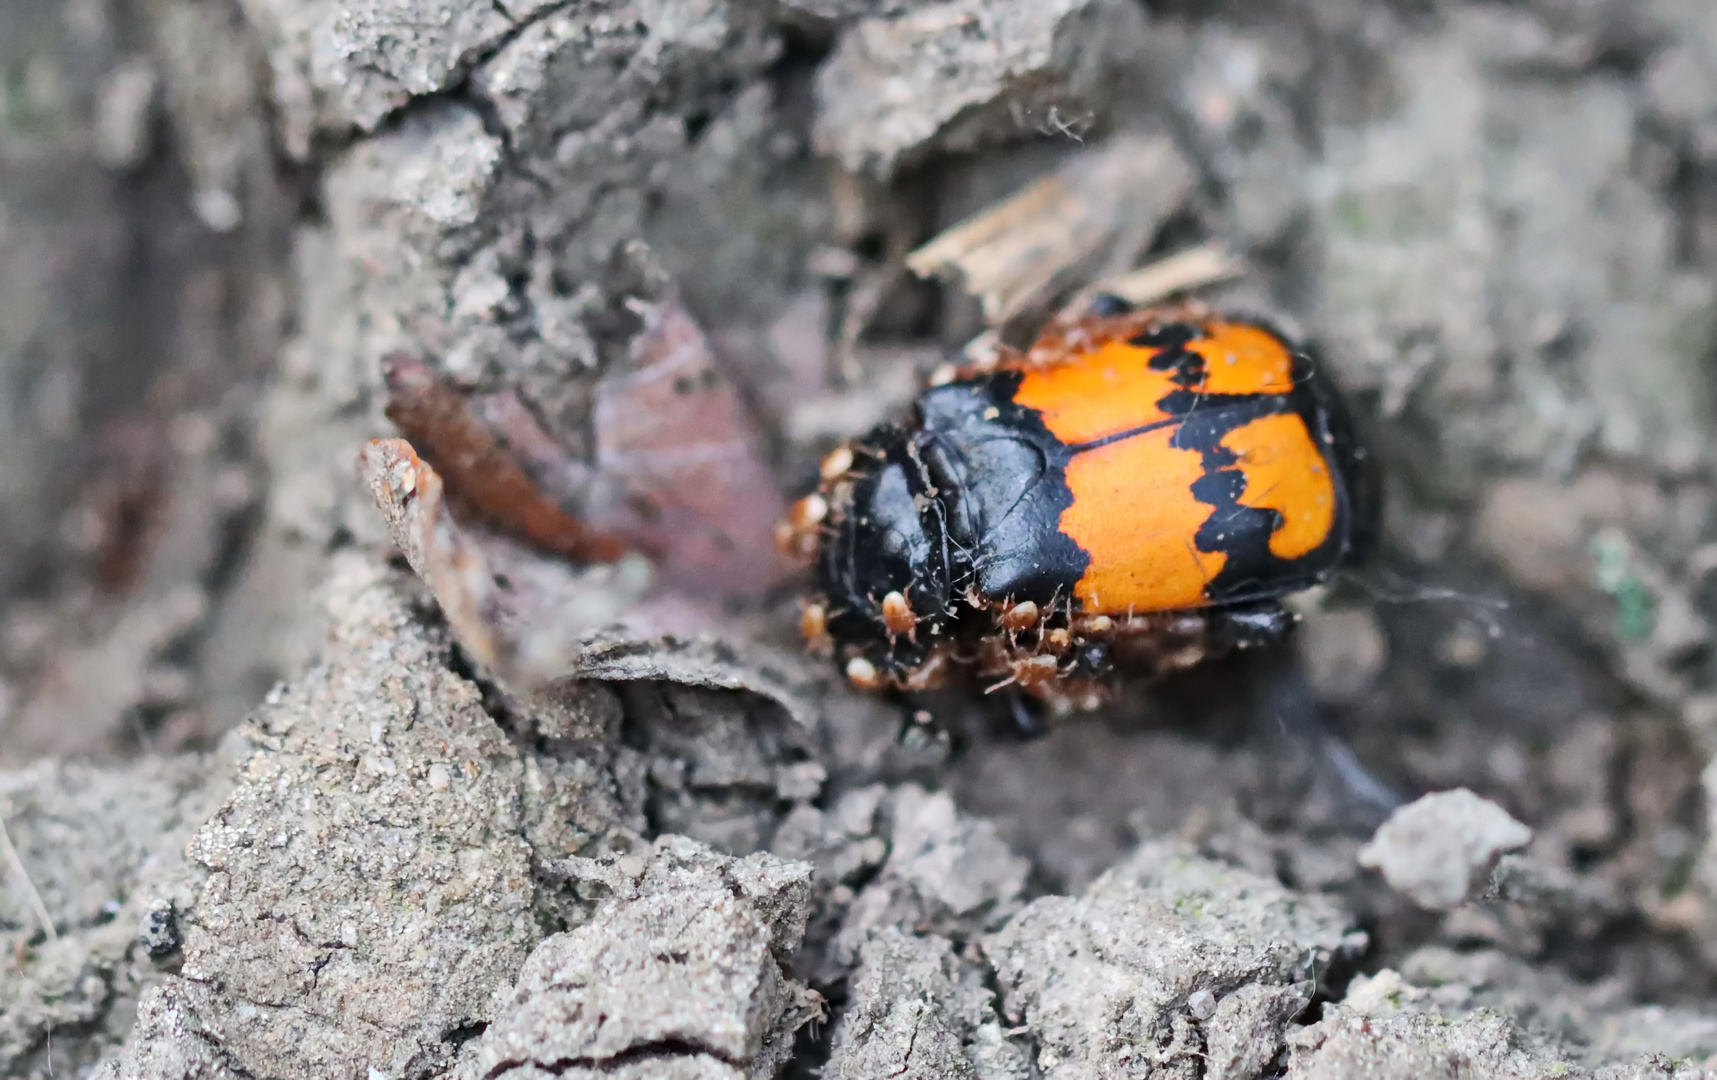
1134, 492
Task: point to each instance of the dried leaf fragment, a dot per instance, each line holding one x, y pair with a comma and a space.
482, 475
410, 495
533, 621
674, 432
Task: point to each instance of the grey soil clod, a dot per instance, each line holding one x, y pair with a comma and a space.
1441, 848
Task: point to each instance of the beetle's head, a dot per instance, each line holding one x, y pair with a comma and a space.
882, 567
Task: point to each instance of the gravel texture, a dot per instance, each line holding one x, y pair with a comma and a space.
917, 1009
679, 969
104, 851
1169, 965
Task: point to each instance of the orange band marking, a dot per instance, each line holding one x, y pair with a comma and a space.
1286, 472
1103, 392
1134, 512
1241, 359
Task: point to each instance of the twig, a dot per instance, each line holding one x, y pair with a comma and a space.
1195, 268
36, 904
1098, 211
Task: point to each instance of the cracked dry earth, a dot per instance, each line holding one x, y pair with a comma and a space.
274, 813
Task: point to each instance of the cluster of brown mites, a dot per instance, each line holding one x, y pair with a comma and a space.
1052, 652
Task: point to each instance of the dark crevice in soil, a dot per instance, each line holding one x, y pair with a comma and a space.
464, 1033
457, 91
813, 1042
495, 701
661, 1050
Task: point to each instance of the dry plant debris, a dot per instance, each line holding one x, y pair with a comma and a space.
481, 476
1091, 219
673, 432
532, 621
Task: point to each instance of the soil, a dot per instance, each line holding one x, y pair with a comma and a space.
270, 812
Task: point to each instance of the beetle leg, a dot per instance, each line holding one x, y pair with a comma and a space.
1107, 305
1248, 626
1027, 723
1285, 704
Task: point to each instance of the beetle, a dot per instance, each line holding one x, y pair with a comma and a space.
1133, 493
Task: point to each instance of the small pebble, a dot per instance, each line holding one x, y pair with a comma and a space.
439, 778
159, 929
1440, 849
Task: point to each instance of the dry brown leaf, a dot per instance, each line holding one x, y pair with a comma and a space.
483, 478
675, 434
533, 621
